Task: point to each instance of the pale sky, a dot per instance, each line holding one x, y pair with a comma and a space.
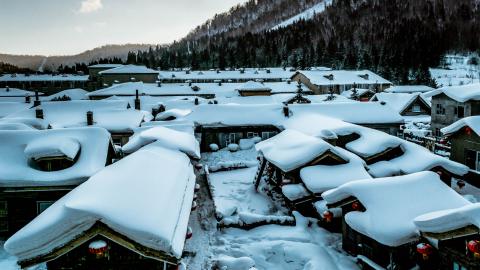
60, 27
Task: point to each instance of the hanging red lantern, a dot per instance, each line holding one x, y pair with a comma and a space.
425, 250
468, 130
356, 206
474, 246
327, 216
189, 233
98, 248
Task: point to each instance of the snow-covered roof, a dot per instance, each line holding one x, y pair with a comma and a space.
472, 122
320, 178
112, 115
409, 89
7, 108
73, 94
393, 203
18, 146
105, 66
294, 191
152, 176
461, 93
15, 92
248, 74
129, 69
360, 92
344, 77
253, 86
42, 77
398, 101
449, 220
165, 137
292, 149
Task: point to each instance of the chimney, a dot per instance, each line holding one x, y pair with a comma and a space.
89, 118
161, 108
289, 81
137, 101
27, 99
7, 89
196, 101
159, 83
39, 113
215, 101
286, 111
36, 102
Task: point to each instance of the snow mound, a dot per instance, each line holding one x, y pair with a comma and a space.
46, 147
451, 219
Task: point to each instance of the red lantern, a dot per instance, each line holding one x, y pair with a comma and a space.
356, 206
468, 130
425, 249
327, 216
474, 247
189, 233
98, 248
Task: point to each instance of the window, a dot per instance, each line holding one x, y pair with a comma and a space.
230, 138
416, 108
252, 134
3, 216
440, 109
460, 111
42, 205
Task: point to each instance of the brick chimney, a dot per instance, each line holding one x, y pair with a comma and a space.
137, 101
286, 111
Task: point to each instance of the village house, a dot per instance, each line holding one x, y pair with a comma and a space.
405, 104
378, 216
252, 88
39, 167
409, 89
8, 94
94, 228
359, 94
338, 81
452, 237
94, 70
127, 73
46, 83
451, 104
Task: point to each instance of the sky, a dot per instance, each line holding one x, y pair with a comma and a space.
65, 27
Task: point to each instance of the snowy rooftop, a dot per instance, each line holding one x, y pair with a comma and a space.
105, 66
15, 92
73, 94
18, 146
409, 89
129, 69
253, 86
449, 220
341, 77
248, 74
460, 93
360, 91
42, 77
112, 115
398, 101
292, 149
151, 176
472, 122
7, 108
393, 203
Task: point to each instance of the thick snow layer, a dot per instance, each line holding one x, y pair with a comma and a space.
409, 89
291, 149
451, 219
15, 126
226, 75
461, 93
152, 176
18, 146
253, 86
73, 94
172, 113
7, 108
344, 77
295, 191
320, 178
112, 115
105, 66
31, 122
393, 203
472, 122
183, 126
43, 78
165, 137
129, 69
46, 147
398, 101
305, 15
349, 93
15, 92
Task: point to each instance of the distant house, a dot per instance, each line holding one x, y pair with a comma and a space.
94, 70
252, 88
128, 73
226, 76
43, 166
452, 236
451, 104
464, 136
338, 81
46, 83
109, 222
404, 104
378, 216
409, 89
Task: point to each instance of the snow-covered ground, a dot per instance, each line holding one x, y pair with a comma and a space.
305, 15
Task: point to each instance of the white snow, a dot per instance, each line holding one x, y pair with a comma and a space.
409, 89
393, 203
129, 69
305, 15
253, 86
472, 122
73, 94
449, 220
398, 101
46, 147
344, 77
460, 93
294, 191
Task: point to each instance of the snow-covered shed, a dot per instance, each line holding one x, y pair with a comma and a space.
40, 166
252, 88
128, 73
379, 214
132, 214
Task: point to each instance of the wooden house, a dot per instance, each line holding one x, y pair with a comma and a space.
95, 227
49, 165
46, 83
378, 216
127, 73
252, 88
452, 237
465, 140
405, 104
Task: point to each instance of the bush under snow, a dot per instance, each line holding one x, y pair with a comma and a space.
233, 147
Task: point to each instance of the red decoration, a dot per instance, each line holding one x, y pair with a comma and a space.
474, 246
468, 130
327, 216
189, 233
356, 206
98, 248
425, 249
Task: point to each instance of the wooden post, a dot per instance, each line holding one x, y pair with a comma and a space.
89, 118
